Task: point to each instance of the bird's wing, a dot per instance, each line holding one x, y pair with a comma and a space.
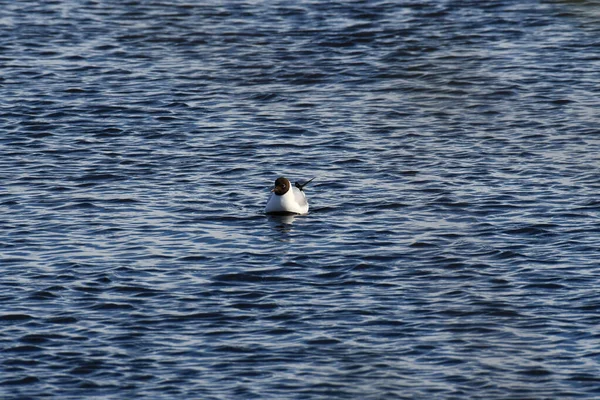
301, 185
300, 197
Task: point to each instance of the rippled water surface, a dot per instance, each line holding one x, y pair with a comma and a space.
451, 250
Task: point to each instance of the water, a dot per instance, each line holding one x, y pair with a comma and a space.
451, 250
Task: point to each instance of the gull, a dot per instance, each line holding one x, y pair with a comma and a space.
287, 199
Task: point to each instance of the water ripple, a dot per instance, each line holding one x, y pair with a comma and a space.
451, 247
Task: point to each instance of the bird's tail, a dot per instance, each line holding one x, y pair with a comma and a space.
301, 185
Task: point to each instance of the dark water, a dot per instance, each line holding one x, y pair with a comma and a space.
451, 250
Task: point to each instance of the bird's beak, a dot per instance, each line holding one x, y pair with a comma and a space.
272, 190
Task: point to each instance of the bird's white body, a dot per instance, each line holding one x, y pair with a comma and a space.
292, 201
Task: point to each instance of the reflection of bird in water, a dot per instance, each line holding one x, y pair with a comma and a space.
287, 199
282, 223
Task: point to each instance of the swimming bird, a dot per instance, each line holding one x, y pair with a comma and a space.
287, 199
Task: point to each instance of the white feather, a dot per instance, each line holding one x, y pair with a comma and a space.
293, 201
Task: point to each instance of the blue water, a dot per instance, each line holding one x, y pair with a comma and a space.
451, 250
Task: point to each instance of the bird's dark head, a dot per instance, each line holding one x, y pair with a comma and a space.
282, 185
